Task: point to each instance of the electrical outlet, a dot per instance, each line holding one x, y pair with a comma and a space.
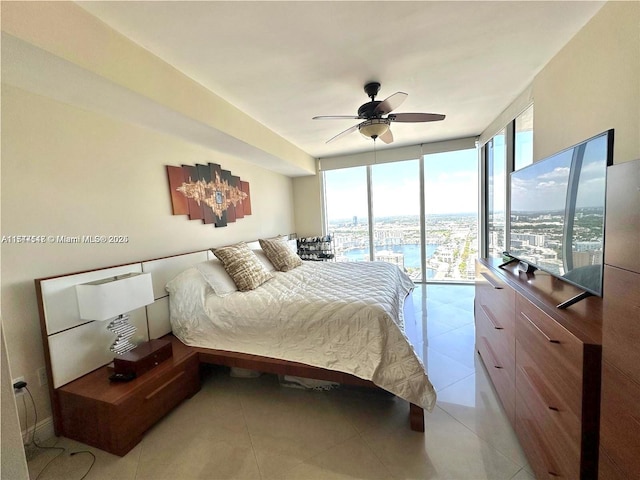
42, 376
16, 391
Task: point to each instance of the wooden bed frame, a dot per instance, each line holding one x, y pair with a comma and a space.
75, 348
285, 367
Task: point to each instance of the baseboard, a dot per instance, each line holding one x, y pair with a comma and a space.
44, 431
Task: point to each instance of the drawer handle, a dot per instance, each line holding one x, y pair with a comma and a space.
533, 430
491, 281
163, 386
491, 317
549, 339
492, 354
539, 387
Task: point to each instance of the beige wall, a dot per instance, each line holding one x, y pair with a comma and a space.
67, 171
14, 462
591, 85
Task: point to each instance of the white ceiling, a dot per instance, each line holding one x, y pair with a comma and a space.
285, 62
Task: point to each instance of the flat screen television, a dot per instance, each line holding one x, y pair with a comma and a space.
557, 213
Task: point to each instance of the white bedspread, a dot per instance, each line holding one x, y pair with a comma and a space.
340, 316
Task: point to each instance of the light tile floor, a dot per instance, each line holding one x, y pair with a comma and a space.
256, 429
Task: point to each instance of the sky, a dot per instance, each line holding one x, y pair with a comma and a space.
451, 186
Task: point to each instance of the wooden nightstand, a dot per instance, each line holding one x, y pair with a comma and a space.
114, 416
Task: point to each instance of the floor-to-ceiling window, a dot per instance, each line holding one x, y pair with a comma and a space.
421, 214
451, 215
496, 193
510, 149
395, 194
346, 207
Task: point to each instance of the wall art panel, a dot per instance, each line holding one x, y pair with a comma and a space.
208, 193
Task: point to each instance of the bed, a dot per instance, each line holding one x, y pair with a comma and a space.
326, 321
344, 317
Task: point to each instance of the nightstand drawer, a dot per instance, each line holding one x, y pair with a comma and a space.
558, 354
155, 399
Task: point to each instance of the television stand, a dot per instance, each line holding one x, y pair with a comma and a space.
575, 299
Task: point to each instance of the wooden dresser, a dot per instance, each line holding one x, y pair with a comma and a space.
620, 404
544, 364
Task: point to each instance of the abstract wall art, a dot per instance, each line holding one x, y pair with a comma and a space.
208, 193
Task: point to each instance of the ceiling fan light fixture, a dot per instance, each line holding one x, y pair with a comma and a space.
374, 128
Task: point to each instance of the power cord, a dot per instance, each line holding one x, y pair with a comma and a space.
42, 447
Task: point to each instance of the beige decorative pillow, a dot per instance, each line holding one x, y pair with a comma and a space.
243, 266
279, 253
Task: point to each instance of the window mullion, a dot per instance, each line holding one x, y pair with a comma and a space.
370, 212
423, 228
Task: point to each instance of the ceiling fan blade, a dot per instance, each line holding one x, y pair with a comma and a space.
416, 117
387, 137
342, 134
336, 117
390, 103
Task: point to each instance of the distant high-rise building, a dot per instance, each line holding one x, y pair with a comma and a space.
355, 220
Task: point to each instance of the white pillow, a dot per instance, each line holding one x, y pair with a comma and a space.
216, 276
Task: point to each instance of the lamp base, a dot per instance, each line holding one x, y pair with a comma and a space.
124, 331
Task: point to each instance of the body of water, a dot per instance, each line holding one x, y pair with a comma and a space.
411, 253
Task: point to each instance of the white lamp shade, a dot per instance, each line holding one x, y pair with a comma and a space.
108, 298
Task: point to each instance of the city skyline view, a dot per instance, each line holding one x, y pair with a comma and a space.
451, 214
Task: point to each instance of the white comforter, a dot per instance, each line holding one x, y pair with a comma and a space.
340, 316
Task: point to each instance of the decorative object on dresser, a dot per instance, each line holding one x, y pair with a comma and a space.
620, 418
316, 248
208, 193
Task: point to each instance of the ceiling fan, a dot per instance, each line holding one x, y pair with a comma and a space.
375, 124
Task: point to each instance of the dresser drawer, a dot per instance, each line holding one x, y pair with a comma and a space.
620, 420
558, 428
501, 372
546, 461
501, 339
496, 298
558, 354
